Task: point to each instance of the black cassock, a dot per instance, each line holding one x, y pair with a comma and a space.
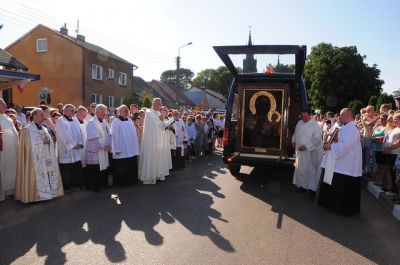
342, 196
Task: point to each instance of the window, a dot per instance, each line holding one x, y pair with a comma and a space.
111, 101
97, 98
122, 79
97, 72
110, 73
41, 45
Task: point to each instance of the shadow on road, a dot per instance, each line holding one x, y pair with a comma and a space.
85, 216
365, 234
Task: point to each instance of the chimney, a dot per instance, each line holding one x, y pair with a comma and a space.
64, 30
80, 38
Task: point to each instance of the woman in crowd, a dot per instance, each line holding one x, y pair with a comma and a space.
378, 136
391, 148
16, 123
199, 140
221, 126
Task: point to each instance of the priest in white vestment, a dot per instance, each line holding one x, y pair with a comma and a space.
92, 112
38, 175
181, 140
8, 153
81, 114
340, 189
152, 164
307, 141
125, 149
69, 143
97, 147
168, 141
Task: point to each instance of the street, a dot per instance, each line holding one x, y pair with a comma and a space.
200, 215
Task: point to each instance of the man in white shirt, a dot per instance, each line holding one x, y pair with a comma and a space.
69, 143
125, 149
20, 116
191, 131
340, 188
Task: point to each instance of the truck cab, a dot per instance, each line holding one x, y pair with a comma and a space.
263, 106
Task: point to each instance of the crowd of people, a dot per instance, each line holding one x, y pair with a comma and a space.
334, 150
48, 151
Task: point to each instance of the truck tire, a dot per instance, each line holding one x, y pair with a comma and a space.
234, 169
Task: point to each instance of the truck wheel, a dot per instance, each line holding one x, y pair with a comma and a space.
234, 169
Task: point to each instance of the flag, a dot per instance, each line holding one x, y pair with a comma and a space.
20, 87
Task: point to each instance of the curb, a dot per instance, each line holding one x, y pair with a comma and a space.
379, 194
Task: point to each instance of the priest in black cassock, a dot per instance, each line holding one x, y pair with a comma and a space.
340, 188
125, 149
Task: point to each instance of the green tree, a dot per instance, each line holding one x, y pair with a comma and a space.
355, 106
146, 99
203, 79
181, 77
384, 98
373, 100
283, 68
217, 80
337, 75
129, 101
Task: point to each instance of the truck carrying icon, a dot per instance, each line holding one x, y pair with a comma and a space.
263, 105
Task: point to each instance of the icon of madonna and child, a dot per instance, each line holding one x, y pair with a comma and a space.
262, 120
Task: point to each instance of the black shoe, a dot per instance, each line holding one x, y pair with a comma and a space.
300, 190
311, 194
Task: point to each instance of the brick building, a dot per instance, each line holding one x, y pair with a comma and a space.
71, 69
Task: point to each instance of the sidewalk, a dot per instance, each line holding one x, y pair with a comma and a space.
390, 200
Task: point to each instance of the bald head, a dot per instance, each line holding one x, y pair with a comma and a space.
346, 115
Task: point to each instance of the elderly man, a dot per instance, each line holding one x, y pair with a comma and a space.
152, 164
97, 147
307, 141
341, 182
38, 175
8, 153
69, 142
125, 148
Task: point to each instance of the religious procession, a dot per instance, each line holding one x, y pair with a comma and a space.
47, 151
334, 151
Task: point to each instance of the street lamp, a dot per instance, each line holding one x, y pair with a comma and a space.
178, 59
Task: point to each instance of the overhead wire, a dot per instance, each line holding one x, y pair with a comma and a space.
25, 18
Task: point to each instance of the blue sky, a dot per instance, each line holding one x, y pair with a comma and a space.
148, 33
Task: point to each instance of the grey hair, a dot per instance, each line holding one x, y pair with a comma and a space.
68, 106
100, 107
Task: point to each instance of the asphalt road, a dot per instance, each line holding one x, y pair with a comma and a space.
201, 215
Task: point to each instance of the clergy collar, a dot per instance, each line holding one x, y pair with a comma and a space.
81, 122
38, 126
91, 114
100, 120
68, 118
122, 118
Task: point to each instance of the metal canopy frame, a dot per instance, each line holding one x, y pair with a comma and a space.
300, 53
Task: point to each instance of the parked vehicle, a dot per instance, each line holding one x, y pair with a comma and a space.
263, 107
